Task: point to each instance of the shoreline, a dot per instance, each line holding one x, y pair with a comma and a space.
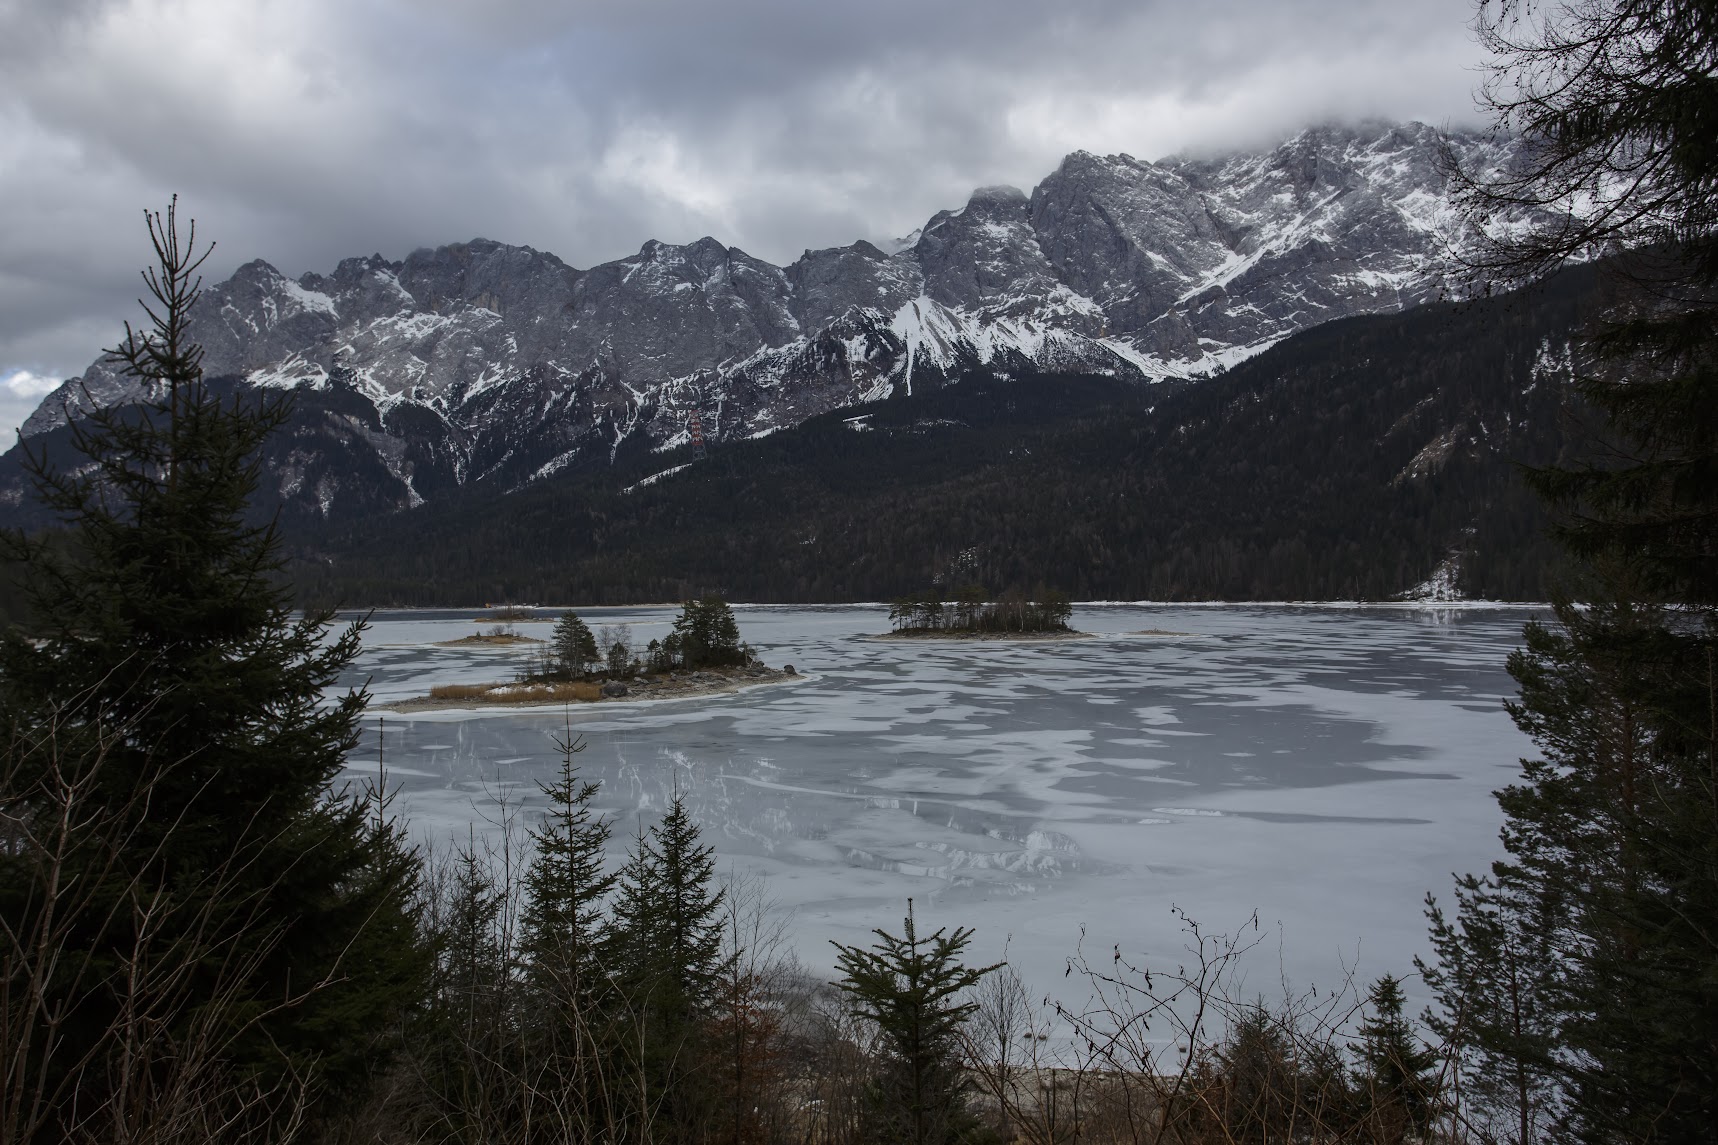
638, 691
479, 640
476, 615
980, 637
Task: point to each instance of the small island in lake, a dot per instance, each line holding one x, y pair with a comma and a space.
703, 655
497, 634
972, 615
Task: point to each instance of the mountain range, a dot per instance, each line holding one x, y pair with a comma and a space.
1370, 457
480, 365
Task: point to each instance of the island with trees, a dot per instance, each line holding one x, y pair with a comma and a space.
701, 655
971, 614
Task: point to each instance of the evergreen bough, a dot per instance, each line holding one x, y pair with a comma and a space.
217, 850
910, 988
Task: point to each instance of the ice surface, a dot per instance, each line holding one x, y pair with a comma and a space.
1323, 766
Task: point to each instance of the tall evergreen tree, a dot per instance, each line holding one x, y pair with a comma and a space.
706, 635
619, 659
465, 1031
667, 916
667, 963
909, 987
1396, 1085
1494, 973
227, 851
1612, 836
564, 923
573, 646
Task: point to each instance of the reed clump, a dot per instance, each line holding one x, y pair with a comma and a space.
461, 691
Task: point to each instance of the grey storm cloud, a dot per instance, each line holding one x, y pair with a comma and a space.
303, 131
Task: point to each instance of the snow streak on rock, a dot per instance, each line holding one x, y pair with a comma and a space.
485, 362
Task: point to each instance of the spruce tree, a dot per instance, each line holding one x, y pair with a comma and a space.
619, 660
464, 1036
226, 851
1259, 1088
667, 963
1396, 1086
573, 646
1611, 878
568, 1022
1580, 980
564, 923
1494, 975
667, 924
909, 988
706, 635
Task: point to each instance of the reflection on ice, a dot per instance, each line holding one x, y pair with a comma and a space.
1326, 766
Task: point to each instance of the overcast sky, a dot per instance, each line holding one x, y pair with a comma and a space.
303, 131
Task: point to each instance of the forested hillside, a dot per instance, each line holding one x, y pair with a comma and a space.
1347, 462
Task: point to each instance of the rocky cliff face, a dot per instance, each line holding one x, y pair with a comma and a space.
480, 362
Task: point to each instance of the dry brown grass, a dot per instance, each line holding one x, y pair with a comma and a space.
460, 691
581, 691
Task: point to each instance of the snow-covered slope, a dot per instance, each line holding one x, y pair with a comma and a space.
485, 362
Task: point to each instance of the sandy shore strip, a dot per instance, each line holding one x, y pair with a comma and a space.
680, 686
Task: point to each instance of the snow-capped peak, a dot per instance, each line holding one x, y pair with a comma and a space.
520, 365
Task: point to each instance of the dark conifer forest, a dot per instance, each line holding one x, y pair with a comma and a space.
1345, 463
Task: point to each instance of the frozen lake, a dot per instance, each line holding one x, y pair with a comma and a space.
1326, 766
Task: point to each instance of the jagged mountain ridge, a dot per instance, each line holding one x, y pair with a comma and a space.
482, 362
1372, 457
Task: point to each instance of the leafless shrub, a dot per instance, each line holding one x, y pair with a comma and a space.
162, 967
1183, 1056
747, 1044
1024, 1077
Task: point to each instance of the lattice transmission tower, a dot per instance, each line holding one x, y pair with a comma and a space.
693, 422
695, 426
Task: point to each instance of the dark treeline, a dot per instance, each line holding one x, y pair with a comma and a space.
1345, 463
704, 635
